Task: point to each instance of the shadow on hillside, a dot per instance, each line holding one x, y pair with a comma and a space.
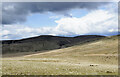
16, 48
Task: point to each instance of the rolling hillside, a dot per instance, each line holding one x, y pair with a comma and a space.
93, 58
45, 42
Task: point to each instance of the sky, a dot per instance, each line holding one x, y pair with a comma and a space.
30, 19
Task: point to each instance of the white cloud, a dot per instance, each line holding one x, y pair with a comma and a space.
99, 21
95, 22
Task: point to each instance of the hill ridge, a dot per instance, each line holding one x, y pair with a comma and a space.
45, 42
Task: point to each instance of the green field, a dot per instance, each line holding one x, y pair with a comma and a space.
94, 58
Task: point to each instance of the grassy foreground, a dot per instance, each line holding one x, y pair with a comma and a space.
96, 58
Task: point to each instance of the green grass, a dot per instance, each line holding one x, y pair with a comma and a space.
75, 60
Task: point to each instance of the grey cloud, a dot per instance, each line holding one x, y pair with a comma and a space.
68, 15
14, 12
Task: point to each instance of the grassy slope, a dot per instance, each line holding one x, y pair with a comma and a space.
42, 43
75, 60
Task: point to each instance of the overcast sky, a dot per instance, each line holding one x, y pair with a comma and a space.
29, 19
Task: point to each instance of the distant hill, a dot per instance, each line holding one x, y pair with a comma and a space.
45, 42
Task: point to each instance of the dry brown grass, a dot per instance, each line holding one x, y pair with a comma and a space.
97, 58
